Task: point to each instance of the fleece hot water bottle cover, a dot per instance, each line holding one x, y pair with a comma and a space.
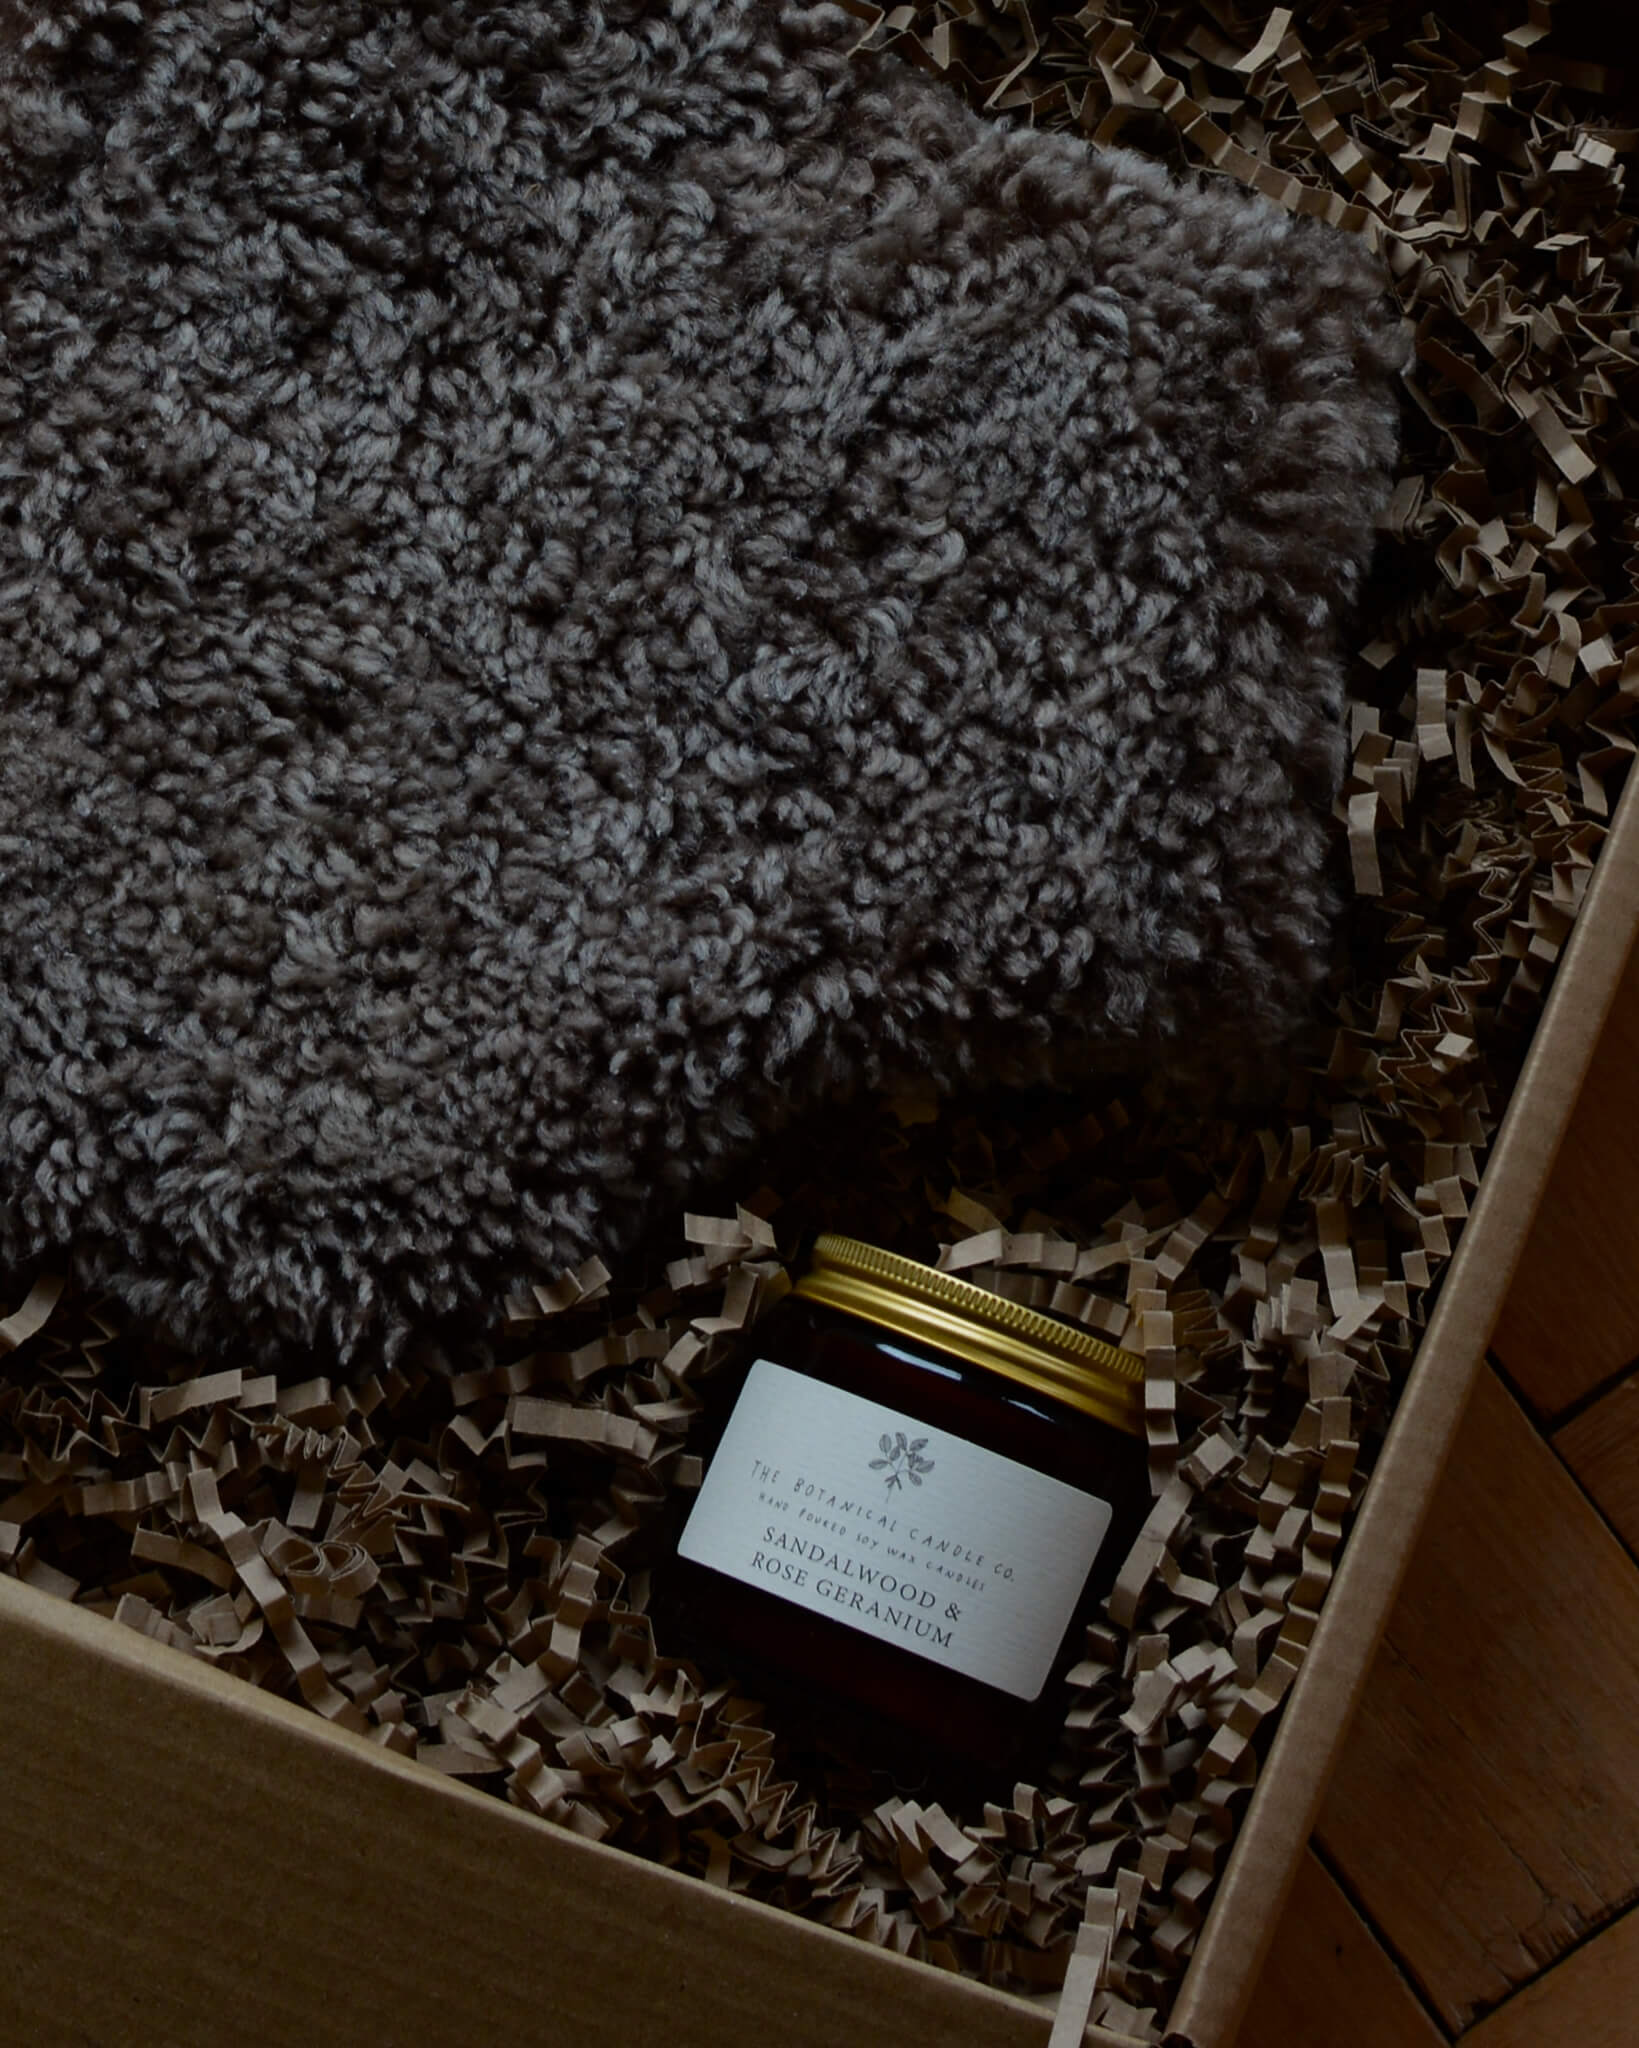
574, 577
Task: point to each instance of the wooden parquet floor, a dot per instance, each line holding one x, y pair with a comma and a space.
1475, 1873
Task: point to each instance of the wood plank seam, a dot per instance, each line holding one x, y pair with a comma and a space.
1591, 1934
1540, 1949
1573, 1410
1407, 1976
1585, 2001
1628, 1549
1497, 1727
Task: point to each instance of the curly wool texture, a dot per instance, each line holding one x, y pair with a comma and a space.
575, 578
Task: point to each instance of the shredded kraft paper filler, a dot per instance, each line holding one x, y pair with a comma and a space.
633, 632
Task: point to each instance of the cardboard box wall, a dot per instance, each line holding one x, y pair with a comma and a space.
190, 1861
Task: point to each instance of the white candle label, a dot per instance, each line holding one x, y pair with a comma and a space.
905, 1532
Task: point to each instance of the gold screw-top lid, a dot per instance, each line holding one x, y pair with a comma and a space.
985, 1329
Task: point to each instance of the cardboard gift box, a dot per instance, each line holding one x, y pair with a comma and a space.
193, 1861
198, 1861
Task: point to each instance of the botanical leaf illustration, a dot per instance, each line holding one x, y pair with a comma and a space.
902, 1460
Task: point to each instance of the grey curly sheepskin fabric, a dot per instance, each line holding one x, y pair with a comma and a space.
576, 578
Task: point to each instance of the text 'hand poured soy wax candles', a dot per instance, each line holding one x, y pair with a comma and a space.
919, 1493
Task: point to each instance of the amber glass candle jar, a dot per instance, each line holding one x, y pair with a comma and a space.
919, 1493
